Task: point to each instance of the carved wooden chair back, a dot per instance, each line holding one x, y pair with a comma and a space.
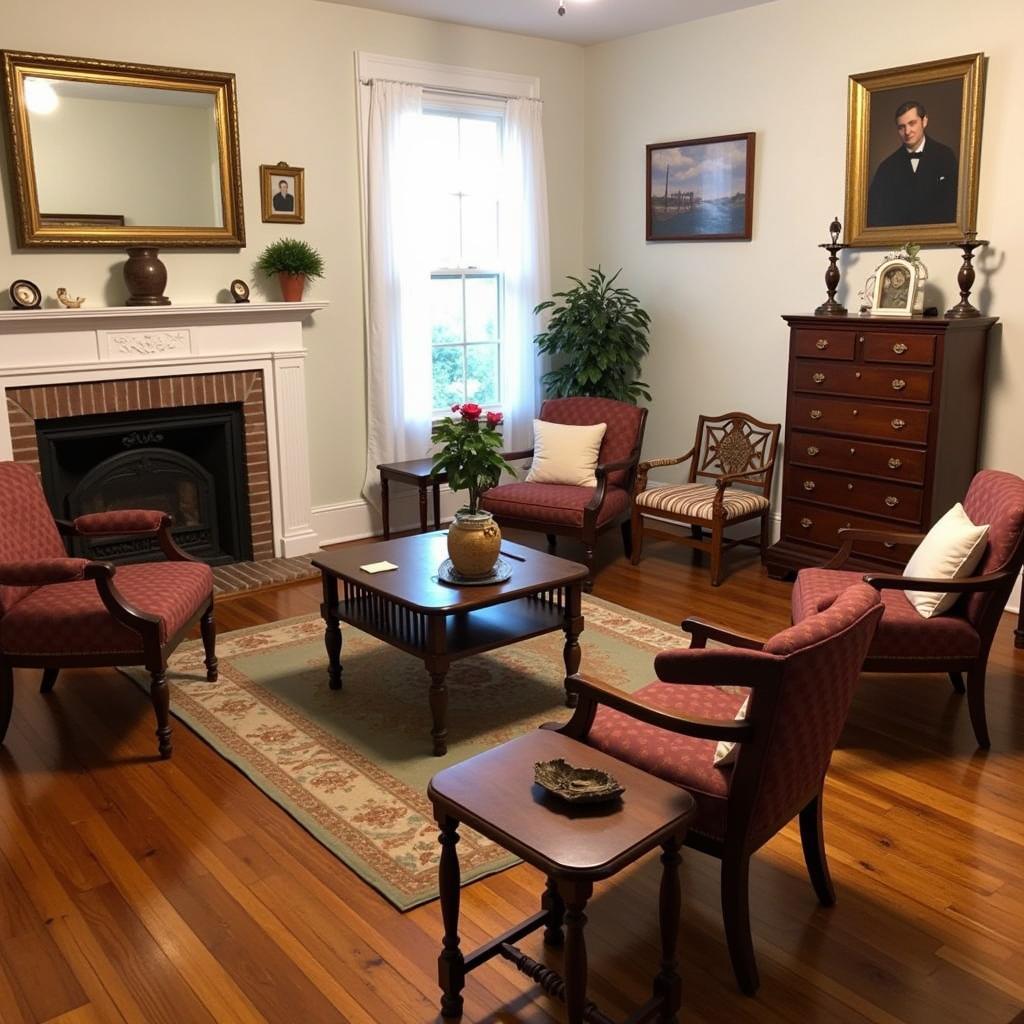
735, 443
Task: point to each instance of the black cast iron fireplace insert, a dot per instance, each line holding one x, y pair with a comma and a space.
189, 462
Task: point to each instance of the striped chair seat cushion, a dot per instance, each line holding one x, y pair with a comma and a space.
697, 500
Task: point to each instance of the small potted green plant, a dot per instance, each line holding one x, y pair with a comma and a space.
471, 456
598, 334
293, 261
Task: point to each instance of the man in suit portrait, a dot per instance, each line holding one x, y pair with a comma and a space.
917, 183
284, 201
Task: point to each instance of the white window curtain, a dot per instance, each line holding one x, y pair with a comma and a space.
525, 257
398, 271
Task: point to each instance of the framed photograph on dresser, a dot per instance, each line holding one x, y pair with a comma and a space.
912, 152
701, 190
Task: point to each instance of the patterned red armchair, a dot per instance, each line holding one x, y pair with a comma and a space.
800, 684
58, 612
958, 641
580, 512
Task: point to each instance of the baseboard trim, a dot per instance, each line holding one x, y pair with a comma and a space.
357, 520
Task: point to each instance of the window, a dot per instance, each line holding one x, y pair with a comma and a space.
466, 292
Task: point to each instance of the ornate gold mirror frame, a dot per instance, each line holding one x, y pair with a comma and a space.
36, 230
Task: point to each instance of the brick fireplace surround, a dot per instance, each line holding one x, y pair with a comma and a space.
59, 363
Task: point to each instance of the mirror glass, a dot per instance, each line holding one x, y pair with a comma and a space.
124, 155
105, 153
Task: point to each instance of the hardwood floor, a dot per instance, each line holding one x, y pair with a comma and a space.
145, 891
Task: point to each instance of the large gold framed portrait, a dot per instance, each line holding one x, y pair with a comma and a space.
912, 152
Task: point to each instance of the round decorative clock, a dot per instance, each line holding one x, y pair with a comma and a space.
239, 290
25, 295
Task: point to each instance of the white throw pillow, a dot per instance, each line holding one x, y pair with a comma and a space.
564, 454
725, 752
950, 551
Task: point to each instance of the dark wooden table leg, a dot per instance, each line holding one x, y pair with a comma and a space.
332, 632
437, 505
451, 967
385, 506
667, 985
573, 626
555, 908
437, 663
422, 489
575, 895
1018, 633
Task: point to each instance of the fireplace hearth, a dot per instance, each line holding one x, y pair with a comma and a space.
189, 462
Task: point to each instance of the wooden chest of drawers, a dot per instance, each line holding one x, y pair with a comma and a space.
882, 422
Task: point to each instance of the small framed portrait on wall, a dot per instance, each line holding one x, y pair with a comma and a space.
283, 193
912, 152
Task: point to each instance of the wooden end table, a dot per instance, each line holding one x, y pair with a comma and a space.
419, 474
439, 624
575, 846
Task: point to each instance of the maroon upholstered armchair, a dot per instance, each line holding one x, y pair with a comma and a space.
58, 612
580, 512
958, 641
800, 684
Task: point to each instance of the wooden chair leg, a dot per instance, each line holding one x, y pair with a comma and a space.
976, 704
552, 542
6, 697
49, 680
812, 837
957, 679
626, 528
697, 533
208, 626
736, 917
716, 555
765, 535
588, 561
636, 536
161, 698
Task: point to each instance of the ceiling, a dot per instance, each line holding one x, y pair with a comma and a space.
584, 22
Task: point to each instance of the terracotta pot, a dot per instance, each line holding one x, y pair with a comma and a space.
146, 277
474, 541
292, 286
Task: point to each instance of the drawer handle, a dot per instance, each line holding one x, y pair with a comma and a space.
818, 378
895, 463
811, 450
891, 501
898, 384
899, 348
898, 424
856, 412
808, 485
853, 451
821, 344
815, 414
806, 523
849, 487
888, 544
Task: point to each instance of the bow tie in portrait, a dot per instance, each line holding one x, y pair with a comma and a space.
915, 156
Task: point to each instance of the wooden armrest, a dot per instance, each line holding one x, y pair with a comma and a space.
703, 631
849, 535
894, 581
526, 453
611, 467
654, 463
702, 728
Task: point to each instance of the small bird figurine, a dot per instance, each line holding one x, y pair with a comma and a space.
66, 300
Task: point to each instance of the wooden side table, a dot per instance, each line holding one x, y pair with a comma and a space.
575, 846
419, 474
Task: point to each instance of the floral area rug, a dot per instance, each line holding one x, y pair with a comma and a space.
352, 766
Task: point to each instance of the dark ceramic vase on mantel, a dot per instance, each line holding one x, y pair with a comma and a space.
146, 277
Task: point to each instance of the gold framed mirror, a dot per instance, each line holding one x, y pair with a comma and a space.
108, 154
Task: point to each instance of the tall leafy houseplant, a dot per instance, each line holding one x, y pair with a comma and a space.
598, 334
293, 261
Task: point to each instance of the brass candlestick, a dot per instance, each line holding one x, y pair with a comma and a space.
830, 307
965, 278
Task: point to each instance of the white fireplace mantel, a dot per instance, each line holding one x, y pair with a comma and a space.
73, 346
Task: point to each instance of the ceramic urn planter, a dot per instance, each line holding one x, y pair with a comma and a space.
474, 541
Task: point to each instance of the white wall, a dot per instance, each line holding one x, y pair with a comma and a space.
296, 93
781, 70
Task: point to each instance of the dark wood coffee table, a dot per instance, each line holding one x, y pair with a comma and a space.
410, 610
575, 846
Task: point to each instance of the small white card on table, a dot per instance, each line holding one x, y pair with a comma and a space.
378, 567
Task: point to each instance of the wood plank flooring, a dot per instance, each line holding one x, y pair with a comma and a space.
144, 891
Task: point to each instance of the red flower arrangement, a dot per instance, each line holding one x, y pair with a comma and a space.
471, 454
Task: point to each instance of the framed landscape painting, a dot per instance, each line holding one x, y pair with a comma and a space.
701, 190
